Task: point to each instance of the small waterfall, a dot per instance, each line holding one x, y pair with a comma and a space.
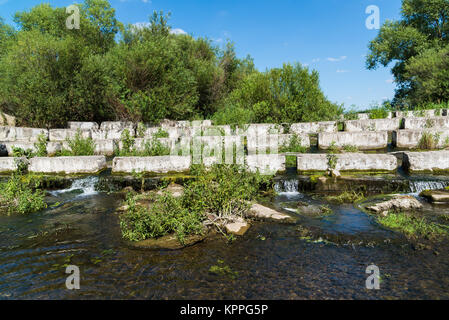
288, 188
417, 187
85, 185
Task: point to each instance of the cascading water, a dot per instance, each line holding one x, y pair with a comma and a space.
417, 187
86, 187
288, 188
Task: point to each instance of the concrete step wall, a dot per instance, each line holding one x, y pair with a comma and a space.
8, 165
157, 165
410, 139
426, 123
372, 125
347, 162
426, 162
68, 165
314, 127
361, 140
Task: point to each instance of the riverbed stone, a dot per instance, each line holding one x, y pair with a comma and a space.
168, 242
260, 212
237, 227
156, 165
436, 196
362, 140
68, 165
174, 189
397, 203
431, 161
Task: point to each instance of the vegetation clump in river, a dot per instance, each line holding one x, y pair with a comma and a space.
414, 227
213, 197
22, 194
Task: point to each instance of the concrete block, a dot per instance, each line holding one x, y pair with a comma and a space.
157, 165
361, 140
68, 165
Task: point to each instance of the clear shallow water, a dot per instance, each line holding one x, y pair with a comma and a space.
271, 260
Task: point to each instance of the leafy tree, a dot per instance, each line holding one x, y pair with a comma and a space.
287, 94
424, 25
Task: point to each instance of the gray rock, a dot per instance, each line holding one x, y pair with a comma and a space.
398, 203
238, 227
436, 196
260, 212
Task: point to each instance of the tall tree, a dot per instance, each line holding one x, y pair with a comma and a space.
424, 25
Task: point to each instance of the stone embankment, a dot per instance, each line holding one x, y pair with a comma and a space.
258, 146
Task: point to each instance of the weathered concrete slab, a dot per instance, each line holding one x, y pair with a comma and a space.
216, 130
419, 113
314, 127
432, 161
68, 165
75, 125
266, 164
348, 162
10, 134
361, 140
426, 123
117, 126
272, 143
259, 129
157, 165
7, 120
8, 164
18, 144
372, 125
109, 134
173, 132
64, 134
410, 139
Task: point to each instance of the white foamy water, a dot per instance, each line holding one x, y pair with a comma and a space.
85, 185
288, 188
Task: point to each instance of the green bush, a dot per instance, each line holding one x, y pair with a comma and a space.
21, 195
294, 145
79, 146
153, 147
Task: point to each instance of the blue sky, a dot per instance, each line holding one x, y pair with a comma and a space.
327, 35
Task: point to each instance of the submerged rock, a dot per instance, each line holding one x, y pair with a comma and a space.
397, 203
175, 189
238, 227
260, 212
436, 196
168, 242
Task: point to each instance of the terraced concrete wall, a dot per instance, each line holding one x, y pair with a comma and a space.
431, 162
410, 139
372, 125
8, 164
266, 164
426, 123
156, 165
67, 165
361, 140
314, 127
347, 162
11, 134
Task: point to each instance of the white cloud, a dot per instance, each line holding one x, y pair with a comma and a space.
315, 60
342, 71
177, 31
336, 59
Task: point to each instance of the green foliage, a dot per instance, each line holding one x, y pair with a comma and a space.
152, 148
41, 145
288, 94
20, 152
79, 146
416, 45
414, 227
223, 270
346, 197
294, 145
378, 113
221, 191
161, 133
350, 148
428, 141
20, 195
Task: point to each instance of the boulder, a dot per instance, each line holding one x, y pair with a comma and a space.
436, 196
260, 212
397, 203
7, 120
175, 189
237, 227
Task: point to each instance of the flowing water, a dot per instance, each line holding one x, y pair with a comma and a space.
271, 261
